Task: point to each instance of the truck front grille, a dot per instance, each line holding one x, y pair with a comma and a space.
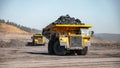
75, 42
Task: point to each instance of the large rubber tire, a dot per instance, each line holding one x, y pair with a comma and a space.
34, 44
50, 48
59, 50
71, 52
83, 51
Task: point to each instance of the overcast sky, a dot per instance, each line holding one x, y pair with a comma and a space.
104, 15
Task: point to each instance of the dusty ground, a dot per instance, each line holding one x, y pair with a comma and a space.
38, 57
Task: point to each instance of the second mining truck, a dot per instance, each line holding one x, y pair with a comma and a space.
68, 38
38, 39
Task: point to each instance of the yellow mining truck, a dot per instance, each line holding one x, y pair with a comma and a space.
38, 39
68, 38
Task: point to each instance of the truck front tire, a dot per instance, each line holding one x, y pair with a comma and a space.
59, 50
33, 42
50, 48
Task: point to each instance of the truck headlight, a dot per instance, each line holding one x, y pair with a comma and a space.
88, 44
63, 43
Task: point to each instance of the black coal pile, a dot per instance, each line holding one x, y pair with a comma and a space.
67, 20
61, 20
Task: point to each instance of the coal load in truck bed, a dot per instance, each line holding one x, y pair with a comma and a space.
61, 20
67, 19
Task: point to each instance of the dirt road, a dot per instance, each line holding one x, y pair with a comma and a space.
38, 57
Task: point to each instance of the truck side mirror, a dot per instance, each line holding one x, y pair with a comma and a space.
91, 33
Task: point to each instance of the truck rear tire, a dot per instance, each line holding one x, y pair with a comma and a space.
59, 50
82, 52
50, 48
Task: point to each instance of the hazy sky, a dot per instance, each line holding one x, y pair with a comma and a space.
104, 15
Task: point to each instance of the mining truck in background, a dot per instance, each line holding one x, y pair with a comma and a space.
67, 35
38, 39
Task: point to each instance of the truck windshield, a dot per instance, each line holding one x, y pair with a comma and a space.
37, 36
84, 31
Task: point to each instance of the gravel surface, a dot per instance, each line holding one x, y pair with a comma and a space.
38, 57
